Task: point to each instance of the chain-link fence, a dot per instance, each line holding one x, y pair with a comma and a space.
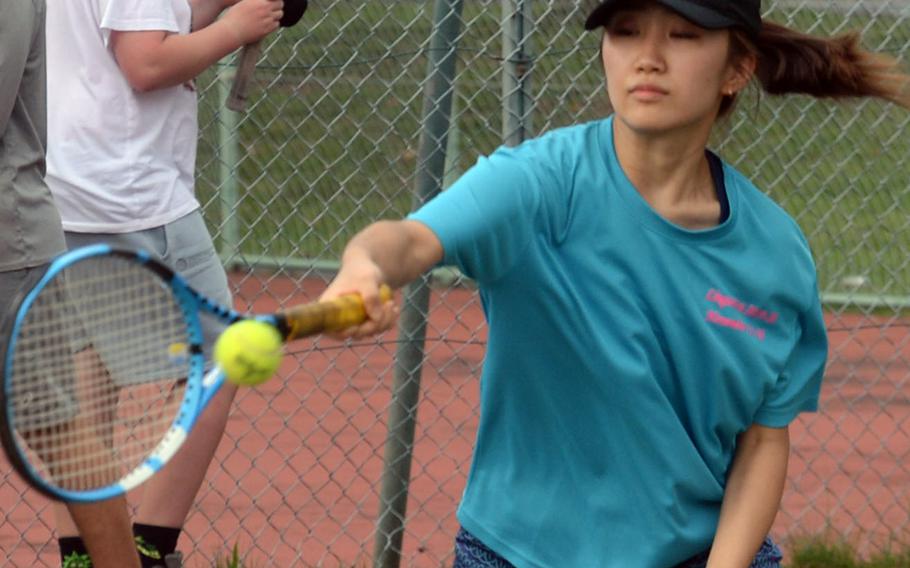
357, 454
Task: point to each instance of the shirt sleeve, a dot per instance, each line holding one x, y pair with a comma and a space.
487, 218
139, 15
798, 386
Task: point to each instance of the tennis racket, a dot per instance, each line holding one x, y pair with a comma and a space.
104, 374
249, 56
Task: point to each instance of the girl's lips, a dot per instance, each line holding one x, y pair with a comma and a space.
648, 93
648, 89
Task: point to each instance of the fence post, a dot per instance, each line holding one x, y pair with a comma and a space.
431, 162
453, 168
228, 169
516, 71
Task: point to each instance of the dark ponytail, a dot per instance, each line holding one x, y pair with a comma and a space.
793, 62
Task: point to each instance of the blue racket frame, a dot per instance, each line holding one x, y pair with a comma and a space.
201, 385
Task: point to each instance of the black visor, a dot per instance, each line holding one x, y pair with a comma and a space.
710, 14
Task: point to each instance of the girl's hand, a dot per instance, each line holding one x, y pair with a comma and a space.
363, 279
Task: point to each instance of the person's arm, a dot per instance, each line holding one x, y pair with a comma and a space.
153, 60
207, 11
386, 252
752, 496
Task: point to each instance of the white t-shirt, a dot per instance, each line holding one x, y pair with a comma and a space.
118, 160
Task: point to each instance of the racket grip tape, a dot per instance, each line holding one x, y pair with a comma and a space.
333, 315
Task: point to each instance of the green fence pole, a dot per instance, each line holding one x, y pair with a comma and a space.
517, 103
431, 160
228, 171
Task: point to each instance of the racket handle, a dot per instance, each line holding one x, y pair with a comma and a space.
333, 315
236, 100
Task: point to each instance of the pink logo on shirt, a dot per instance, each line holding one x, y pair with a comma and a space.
751, 311
716, 318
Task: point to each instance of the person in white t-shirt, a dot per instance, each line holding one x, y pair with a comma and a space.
122, 131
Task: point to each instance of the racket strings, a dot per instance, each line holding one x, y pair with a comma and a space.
98, 372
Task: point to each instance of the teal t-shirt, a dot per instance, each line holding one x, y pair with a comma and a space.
625, 353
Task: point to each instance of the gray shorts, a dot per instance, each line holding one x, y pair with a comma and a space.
14, 285
34, 393
184, 245
49, 398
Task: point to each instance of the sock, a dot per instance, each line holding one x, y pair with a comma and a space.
154, 543
73, 553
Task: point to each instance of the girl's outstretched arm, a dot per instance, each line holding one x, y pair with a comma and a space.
386, 252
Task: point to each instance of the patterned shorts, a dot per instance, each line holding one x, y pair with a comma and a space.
471, 553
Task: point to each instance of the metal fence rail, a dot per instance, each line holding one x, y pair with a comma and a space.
357, 455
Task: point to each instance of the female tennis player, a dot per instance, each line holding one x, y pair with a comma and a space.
654, 319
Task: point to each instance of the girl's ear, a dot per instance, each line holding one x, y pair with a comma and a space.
739, 74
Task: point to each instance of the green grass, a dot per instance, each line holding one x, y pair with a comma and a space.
330, 142
819, 552
236, 560
233, 560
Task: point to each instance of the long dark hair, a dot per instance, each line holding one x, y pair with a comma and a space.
838, 67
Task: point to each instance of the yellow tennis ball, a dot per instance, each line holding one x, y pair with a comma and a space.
249, 352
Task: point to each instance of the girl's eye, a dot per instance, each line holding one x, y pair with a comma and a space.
684, 35
622, 31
